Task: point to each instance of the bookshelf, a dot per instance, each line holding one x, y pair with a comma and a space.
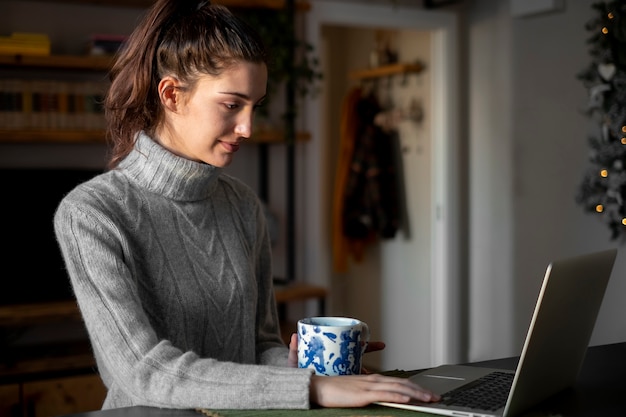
50, 134
63, 62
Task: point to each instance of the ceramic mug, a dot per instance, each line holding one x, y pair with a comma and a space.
332, 345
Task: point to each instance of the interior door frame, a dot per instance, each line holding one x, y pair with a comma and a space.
446, 294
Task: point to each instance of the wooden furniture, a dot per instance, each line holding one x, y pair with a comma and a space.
85, 64
52, 397
45, 379
294, 293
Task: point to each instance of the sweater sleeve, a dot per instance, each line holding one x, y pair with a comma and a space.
138, 367
268, 328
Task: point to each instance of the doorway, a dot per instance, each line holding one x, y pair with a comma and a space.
439, 332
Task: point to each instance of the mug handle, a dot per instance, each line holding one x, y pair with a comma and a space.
365, 336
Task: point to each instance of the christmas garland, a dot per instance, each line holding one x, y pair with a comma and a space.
603, 188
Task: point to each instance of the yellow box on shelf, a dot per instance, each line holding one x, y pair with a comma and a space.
24, 43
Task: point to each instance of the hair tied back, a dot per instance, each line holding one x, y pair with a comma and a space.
191, 6
202, 4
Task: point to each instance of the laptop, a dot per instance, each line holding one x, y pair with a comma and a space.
552, 355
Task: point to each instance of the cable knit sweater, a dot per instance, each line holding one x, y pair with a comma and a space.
170, 263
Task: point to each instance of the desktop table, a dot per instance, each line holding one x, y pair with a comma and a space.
599, 392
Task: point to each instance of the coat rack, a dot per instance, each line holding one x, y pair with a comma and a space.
385, 71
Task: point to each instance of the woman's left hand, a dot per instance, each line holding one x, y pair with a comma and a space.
292, 359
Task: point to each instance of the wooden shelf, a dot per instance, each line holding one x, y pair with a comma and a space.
296, 292
97, 136
386, 71
24, 362
51, 136
263, 4
38, 313
241, 4
28, 314
65, 62
276, 136
78, 356
46, 361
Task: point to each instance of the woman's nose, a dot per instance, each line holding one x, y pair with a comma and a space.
244, 125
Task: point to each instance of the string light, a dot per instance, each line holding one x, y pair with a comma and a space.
606, 154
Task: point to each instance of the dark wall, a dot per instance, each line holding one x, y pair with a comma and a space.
32, 268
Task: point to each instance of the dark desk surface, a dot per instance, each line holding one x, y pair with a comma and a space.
599, 392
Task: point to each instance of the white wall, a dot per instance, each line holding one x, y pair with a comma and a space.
491, 209
528, 153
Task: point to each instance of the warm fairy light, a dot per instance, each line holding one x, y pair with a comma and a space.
624, 222
623, 141
611, 15
605, 30
599, 208
604, 173
624, 129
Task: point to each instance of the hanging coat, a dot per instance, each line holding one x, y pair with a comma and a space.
369, 207
347, 139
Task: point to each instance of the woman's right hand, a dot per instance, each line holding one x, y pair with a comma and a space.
361, 390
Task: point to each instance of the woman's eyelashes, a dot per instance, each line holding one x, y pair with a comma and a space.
231, 106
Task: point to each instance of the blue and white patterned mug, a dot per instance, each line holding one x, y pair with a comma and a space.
332, 345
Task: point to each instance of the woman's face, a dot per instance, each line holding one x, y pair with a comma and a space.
208, 123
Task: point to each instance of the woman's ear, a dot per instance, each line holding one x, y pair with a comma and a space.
169, 94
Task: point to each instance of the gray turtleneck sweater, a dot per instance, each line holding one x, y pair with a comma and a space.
170, 263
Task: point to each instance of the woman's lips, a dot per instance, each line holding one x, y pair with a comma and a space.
230, 146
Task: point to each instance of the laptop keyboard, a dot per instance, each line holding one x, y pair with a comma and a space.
488, 393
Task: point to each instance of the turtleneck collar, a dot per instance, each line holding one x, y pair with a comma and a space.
160, 171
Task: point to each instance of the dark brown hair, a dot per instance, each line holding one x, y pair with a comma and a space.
182, 38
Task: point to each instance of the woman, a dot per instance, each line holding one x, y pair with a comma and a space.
169, 257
